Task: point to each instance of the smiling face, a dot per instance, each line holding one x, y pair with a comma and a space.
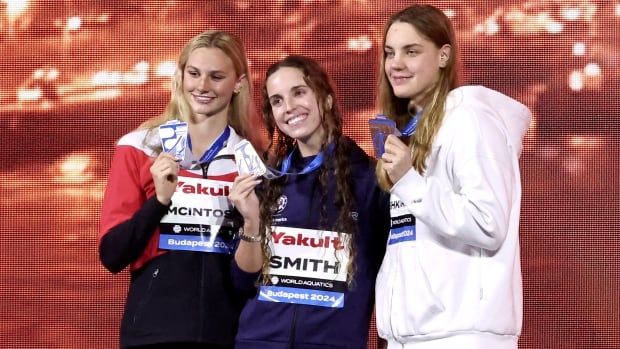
295, 108
209, 81
412, 62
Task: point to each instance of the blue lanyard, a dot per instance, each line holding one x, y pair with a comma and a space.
313, 165
409, 129
215, 148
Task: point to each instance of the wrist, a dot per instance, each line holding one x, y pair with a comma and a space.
249, 237
163, 201
250, 226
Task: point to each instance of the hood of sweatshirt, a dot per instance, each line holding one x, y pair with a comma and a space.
510, 115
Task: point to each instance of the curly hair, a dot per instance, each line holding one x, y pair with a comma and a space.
336, 161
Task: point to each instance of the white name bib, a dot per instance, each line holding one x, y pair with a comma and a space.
403, 223
196, 220
307, 267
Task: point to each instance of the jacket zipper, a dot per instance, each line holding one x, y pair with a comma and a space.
391, 285
293, 327
480, 275
202, 256
202, 297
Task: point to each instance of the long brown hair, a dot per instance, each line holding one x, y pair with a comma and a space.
336, 165
434, 25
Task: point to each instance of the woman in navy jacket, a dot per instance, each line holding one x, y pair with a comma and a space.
312, 244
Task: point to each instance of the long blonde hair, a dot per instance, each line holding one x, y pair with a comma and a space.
434, 25
241, 112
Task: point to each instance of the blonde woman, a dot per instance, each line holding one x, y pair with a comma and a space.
162, 217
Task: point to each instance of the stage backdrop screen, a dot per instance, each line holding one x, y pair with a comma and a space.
77, 75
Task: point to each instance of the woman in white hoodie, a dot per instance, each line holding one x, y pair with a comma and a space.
451, 276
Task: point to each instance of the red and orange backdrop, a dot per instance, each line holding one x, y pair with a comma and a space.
75, 75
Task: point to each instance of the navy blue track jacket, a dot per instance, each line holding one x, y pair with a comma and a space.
265, 324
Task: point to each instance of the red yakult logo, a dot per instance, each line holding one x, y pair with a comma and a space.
301, 240
203, 189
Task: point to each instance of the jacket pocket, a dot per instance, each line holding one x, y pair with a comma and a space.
414, 302
383, 296
139, 298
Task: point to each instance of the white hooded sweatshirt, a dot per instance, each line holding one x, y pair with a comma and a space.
451, 276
